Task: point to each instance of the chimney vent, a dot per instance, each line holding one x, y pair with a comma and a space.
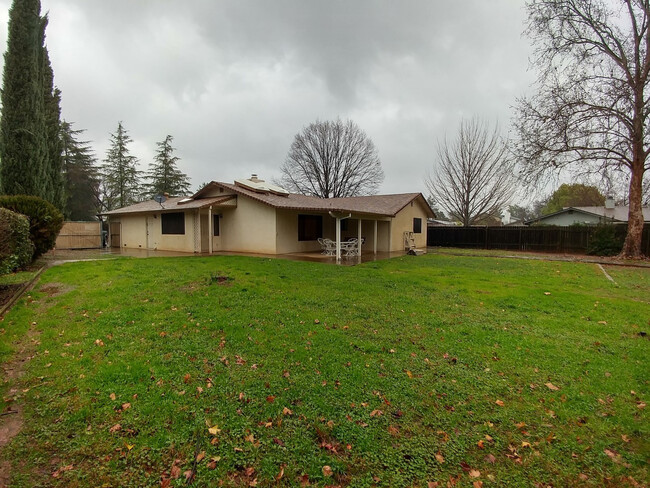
609, 202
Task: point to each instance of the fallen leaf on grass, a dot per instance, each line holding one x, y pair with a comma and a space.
214, 430
62, 469
376, 413
500, 403
200, 456
478, 484
286, 411
625, 438
175, 472
115, 428
490, 459
474, 473
640, 405
439, 458
270, 398
480, 444
126, 406
433, 484
551, 386
327, 471
112, 396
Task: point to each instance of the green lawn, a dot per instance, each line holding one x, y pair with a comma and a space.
403, 372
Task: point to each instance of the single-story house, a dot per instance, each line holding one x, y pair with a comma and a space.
253, 216
609, 213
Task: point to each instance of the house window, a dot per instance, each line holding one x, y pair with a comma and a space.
173, 223
310, 227
215, 225
417, 226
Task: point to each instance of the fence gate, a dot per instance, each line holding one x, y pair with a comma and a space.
80, 235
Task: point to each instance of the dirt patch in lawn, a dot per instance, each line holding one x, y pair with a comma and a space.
55, 289
11, 416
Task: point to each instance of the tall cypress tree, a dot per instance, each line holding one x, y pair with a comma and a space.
164, 175
23, 147
80, 174
120, 174
52, 127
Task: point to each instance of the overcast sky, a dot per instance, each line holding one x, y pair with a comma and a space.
234, 81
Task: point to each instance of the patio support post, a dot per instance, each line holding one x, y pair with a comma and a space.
359, 234
210, 230
374, 240
338, 239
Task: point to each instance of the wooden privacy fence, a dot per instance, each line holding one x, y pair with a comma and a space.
537, 238
80, 235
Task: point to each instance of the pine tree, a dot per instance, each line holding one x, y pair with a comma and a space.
23, 147
121, 178
164, 175
52, 128
80, 174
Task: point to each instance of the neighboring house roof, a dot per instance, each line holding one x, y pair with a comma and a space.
616, 214
173, 204
383, 205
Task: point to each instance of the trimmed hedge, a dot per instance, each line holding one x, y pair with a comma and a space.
45, 220
16, 248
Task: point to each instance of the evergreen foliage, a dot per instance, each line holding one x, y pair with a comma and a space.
121, 178
80, 175
22, 145
45, 220
16, 249
164, 175
52, 128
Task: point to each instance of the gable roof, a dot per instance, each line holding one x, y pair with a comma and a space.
616, 214
377, 205
172, 204
380, 205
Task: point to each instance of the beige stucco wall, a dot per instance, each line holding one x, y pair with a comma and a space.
403, 221
134, 233
287, 232
250, 227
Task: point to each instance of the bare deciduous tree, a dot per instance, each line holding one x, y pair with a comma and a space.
474, 176
332, 159
590, 113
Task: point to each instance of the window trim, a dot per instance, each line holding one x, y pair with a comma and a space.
303, 236
417, 225
165, 224
216, 225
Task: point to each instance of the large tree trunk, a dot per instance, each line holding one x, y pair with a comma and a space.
632, 246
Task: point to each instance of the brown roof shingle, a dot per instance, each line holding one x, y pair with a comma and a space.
380, 205
172, 204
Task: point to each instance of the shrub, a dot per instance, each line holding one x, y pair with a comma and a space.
45, 221
16, 249
605, 241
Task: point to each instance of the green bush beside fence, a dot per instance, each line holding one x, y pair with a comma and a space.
16, 248
45, 220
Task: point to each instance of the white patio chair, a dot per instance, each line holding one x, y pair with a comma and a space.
328, 246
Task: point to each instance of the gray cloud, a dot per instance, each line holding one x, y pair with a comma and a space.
235, 80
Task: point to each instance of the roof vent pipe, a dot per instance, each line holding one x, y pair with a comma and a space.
609, 202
